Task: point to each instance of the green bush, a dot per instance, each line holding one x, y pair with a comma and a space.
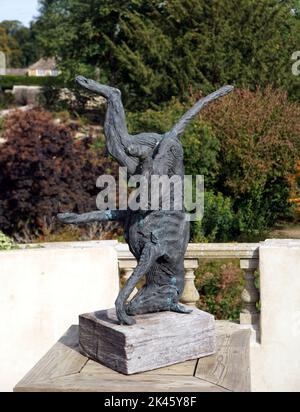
258, 134
71, 99
7, 82
50, 97
220, 286
200, 144
246, 146
6, 100
6, 243
219, 223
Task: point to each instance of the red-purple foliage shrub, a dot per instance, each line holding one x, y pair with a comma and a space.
220, 286
45, 170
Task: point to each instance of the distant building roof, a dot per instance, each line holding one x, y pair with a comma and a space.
44, 64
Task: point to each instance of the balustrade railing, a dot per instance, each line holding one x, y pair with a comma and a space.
247, 253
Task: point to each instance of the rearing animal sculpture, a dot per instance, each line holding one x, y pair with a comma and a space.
157, 238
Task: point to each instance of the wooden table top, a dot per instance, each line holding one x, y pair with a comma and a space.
65, 369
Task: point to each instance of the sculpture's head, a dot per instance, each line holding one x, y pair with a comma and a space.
95, 87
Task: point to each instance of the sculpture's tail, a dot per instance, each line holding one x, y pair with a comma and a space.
179, 127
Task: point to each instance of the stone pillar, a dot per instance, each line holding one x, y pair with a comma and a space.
250, 294
275, 362
2, 64
190, 295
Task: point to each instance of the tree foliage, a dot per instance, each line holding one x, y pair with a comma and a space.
18, 43
246, 146
201, 146
10, 47
259, 146
6, 243
154, 50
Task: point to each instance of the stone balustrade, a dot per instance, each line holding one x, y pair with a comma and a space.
250, 295
190, 295
247, 253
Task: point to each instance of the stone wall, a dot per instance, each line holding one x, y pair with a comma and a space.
275, 361
26, 95
43, 290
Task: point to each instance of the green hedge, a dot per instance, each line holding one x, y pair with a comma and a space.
6, 243
7, 82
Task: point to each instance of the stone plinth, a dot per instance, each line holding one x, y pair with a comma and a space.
155, 341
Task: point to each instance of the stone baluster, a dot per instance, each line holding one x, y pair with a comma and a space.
250, 295
190, 295
127, 266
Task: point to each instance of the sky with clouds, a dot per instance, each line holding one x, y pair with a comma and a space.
23, 10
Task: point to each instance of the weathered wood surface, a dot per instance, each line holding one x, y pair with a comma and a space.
156, 340
57, 373
229, 367
61, 360
64, 369
180, 369
89, 383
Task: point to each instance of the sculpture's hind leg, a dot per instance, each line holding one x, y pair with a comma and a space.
156, 295
148, 258
160, 293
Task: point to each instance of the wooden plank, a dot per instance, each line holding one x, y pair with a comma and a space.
97, 369
88, 383
61, 360
64, 369
230, 366
181, 369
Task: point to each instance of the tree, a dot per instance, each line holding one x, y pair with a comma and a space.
246, 146
154, 50
259, 146
11, 26
10, 47
4, 41
26, 38
19, 43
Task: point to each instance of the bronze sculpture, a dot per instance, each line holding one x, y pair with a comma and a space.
157, 238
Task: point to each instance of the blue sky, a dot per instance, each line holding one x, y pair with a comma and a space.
23, 10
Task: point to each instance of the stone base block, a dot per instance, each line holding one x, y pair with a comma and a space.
156, 340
